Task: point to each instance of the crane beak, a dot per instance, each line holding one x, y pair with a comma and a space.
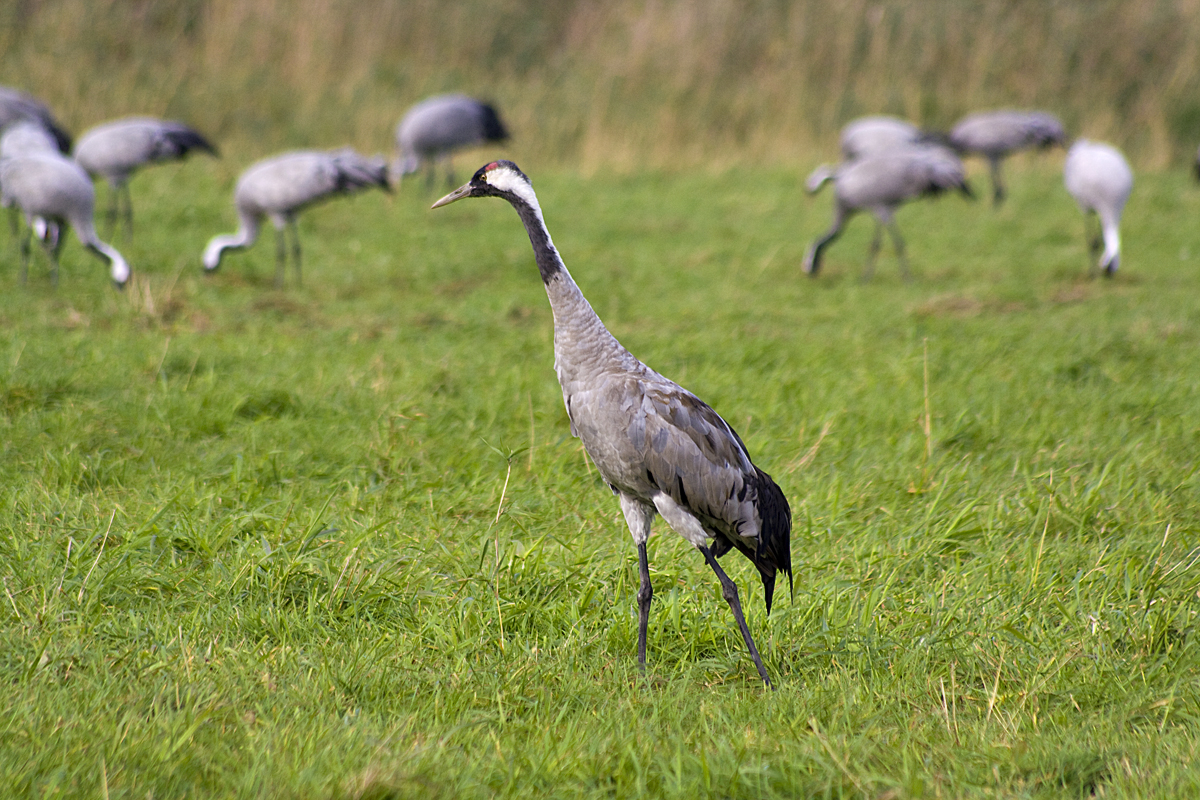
457, 194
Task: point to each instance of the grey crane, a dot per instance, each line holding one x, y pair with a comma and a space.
435, 127
880, 183
55, 189
1100, 180
21, 138
657, 446
868, 135
995, 134
281, 186
17, 105
117, 149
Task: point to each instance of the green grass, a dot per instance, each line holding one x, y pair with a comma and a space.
336, 541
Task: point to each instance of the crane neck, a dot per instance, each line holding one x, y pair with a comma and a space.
580, 337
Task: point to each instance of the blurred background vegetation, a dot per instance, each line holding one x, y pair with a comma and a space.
618, 83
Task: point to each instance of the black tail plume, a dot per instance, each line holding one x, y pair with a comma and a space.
774, 535
493, 128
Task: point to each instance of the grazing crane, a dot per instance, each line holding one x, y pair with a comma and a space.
880, 183
115, 150
995, 134
435, 127
1099, 178
16, 105
869, 135
658, 447
57, 190
281, 186
22, 138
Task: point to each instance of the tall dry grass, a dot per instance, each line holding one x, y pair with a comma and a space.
615, 82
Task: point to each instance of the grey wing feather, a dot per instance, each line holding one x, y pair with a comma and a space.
696, 458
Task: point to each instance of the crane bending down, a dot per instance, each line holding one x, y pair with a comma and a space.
117, 149
1100, 180
995, 134
657, 446
880, 183
435, 127
57, 190
281, 186
22, 138
16, 105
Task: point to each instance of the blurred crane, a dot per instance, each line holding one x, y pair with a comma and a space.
21, 138
880, 183
437, 126
281, 186
17, 105
995, 134
115, 150
1100, 180
57, 190
869, 135
657, 446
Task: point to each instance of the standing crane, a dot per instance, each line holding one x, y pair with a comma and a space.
17, 105
880, 183
1100, 180
658, 447
437, 126
57, 190
995, 134
869, 135
115, 150
281, 186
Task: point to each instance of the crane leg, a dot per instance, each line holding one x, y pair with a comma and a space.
1095, 241
898, 241
730, 593
812, 259
296, 248
14, 214
25, 242
124, 190
873, 251
997, 183
280, 256
112, 211
645, 593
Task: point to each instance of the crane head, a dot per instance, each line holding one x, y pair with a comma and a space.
497, 179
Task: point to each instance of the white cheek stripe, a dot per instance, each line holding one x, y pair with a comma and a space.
508, 181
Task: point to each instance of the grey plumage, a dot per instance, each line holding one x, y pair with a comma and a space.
54, 188
16, 105
281, 186
115, 150
435, 127
880, 183
869, 135
658, 447
1100, 180
995, 134
22, 138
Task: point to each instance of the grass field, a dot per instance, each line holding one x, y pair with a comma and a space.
336, 540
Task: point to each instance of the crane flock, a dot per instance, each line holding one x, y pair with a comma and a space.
659, 448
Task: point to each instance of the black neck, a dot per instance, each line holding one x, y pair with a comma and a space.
549, 262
